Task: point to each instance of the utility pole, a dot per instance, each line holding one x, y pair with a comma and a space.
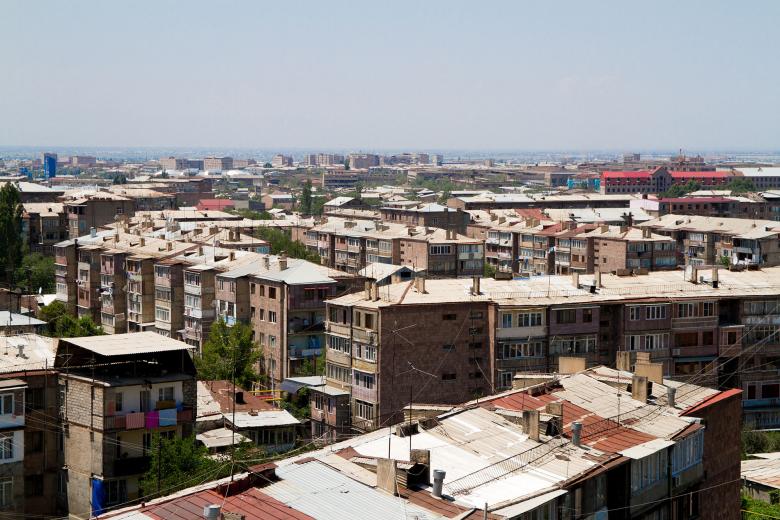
159, 462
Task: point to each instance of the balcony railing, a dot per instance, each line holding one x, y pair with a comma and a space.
161, 417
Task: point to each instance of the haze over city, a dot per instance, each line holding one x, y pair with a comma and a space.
354, 76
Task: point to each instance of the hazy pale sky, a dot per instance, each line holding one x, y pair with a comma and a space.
370, 74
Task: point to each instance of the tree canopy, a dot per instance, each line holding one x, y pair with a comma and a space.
61, 324
279, 242
229, 351
306, 199
10, 231
36, 272
678, 190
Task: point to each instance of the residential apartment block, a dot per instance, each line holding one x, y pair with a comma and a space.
713, 240
659, 180
115, 392
350, 245
696, 325
427, 215
94, 211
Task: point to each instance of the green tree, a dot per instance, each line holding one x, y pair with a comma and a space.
306, 199
346, 163
119, 178
174, 462
280, 241
741, 185
268, 165
36, 272
678, 190
10, 231
229, 352
61, 324
488, 270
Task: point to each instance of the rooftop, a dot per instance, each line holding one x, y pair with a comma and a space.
127, 344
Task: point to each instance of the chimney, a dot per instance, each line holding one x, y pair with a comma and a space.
282, 262
715, 281
386, 475
200, 250
597, 278
374, 291
212, 512
671, 393
624, 360
438, 482
92, 232
575, 279
420, 281
694, 275
646, 233
142, 243
169, 246
531, 424
232, 256
266, 262
475, 289
576, 433
240, 398
367, 290
639, 388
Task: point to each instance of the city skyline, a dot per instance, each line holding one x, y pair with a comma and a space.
400, 76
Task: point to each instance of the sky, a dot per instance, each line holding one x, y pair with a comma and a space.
519, 75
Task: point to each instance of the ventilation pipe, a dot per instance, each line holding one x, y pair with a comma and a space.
671, 393
714, 277
92, 232
576, 433
438, 482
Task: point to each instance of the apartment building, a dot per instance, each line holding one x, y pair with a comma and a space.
659, 180
753, 207
188, 191
218, 163
618, 248
362, 161
43, 225
281, 161
712, 240
115, 392
427, 215
94, 211
712, 327
763, 178
29, 428
350, 245
145, 199
283, 299
492, 201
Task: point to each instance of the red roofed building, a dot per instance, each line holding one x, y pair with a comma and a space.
659, 180
215, 204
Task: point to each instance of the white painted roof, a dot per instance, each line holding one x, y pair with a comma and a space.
131, 343
262, 418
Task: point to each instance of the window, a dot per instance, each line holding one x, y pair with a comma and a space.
505, 379
587, 315
165, 393
34, 442
35, 398
707, 337
7, 446
506, 320
261, 314
573, 344
272, 316
364, 380
687, 452
339, 344
656, 312
6, 492
685, 310
448, 348
519, 350
338, 373
162, 314
566, 316
448, 376
271, 341
369, 353
649, 470
118, 401
449, 317
364, 410
7, 401
116, 491
272, 293
529, 319
635, 313
708, 309
441, 250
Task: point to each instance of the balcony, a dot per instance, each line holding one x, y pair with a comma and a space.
304, 327
124, 467
161, 417
339, 329
193, 312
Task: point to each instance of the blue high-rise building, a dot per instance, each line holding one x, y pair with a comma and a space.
49, 165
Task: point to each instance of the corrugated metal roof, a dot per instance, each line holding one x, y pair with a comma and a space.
327, 494
763, 471
125, 344
262, 418
648, 448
